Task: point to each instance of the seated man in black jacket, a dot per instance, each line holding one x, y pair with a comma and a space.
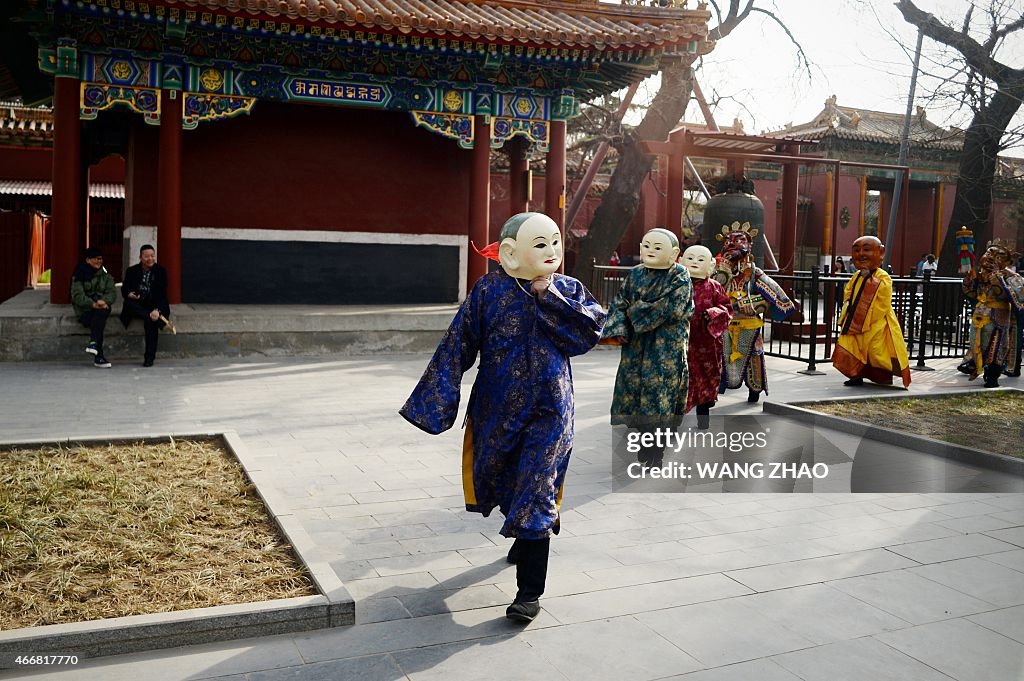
145, 297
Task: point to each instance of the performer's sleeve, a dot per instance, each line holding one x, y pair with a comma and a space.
1013, 285
617, 324
434, 403
773, 294
570, 316
719, 313
847, 293
883, 296
649, 316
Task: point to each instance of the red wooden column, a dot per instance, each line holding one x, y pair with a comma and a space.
675, 151
67, 185
554, 186
479, 198
787, 234
674, 220
518, 173
168, 202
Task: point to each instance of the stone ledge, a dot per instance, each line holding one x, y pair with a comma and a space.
333, 607
31, 329
917, 443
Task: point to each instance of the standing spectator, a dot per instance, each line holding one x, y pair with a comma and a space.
145, 297
930, 264
919, 267
92, 295
614, 260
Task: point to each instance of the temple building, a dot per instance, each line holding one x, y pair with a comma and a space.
864, 194
322, 151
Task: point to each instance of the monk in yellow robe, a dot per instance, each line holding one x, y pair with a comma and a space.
870, 341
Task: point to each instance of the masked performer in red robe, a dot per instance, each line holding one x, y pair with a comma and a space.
711, 316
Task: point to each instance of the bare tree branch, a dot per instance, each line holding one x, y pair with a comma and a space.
977, 56
801, 55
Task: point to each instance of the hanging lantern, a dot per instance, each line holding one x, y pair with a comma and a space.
734, 201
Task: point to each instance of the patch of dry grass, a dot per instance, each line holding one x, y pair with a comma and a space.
993, 422
105, 531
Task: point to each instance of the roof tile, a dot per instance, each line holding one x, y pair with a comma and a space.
584, 23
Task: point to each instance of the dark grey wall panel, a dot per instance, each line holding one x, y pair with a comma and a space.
305, 272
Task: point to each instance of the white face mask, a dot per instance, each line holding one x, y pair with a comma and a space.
699, 261
535, 252
657, 251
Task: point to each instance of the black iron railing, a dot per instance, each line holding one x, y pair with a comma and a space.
933, 313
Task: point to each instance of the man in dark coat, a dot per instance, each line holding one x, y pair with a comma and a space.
145, 297
92, 296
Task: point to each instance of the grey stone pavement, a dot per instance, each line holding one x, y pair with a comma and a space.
694, 587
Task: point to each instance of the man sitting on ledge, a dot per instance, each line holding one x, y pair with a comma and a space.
145, 297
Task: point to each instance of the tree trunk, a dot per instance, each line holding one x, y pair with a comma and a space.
973, 202
621, 199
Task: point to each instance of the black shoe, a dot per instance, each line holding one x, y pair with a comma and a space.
854, 382
523, 611
753, 396
101, 362
92, 348
147, 363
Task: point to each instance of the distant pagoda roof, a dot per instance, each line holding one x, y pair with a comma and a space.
20, 124
864, 125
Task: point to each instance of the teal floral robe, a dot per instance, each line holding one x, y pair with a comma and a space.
651, 313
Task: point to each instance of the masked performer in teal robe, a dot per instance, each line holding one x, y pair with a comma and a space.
524, 321
753, 294
650, 319
998, 295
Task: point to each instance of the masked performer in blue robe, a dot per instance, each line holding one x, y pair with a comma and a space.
524, 321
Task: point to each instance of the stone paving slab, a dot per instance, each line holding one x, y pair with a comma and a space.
897, 576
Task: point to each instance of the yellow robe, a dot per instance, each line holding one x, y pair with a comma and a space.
870, 341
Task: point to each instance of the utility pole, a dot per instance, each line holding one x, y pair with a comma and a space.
904, 143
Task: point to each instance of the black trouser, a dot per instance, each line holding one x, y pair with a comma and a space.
96, 320
152, 329
531, 567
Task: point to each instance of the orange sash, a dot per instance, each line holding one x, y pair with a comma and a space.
857, 308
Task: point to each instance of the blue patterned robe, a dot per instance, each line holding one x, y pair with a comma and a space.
520, 415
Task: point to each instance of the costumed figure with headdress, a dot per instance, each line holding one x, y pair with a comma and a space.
712, 312
998, 295
650, 319
870, 343
753, 294
524, 321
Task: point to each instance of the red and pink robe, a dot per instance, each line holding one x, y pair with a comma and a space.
711, 316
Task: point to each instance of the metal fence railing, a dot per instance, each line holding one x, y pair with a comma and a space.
933, 312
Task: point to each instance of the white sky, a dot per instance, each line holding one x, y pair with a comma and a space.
854, 47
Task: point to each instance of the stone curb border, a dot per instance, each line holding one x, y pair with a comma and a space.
917, 443
333, 607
